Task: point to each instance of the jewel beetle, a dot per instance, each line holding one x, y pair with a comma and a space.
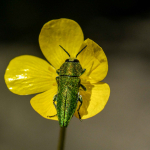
68, 83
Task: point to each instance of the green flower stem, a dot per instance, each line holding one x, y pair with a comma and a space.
62, 138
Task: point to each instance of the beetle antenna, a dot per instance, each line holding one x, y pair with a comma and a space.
81, 50
65, 50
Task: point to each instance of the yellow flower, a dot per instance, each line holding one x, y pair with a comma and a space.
29, 74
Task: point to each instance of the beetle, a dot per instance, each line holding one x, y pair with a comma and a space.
68, 82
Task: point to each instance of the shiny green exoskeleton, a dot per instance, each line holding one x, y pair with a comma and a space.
67, 97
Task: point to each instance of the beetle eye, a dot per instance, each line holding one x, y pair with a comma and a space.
75, 60
67, 60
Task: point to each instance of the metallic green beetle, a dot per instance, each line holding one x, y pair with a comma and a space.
68, 96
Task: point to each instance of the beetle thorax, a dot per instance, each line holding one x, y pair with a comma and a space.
71, 68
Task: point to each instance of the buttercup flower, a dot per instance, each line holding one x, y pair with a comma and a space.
29, 74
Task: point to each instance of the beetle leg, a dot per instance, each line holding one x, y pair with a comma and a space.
58, 71
52, 116
80, 100
83, 87
83, 71
57, 79
55, 97
54, 100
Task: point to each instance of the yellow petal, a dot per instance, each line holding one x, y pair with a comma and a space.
64, 32
94, 60
43, 104
28, 75
94, 99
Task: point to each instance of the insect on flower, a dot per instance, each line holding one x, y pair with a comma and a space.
70, 84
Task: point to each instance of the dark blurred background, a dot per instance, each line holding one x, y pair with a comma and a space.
122, 29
